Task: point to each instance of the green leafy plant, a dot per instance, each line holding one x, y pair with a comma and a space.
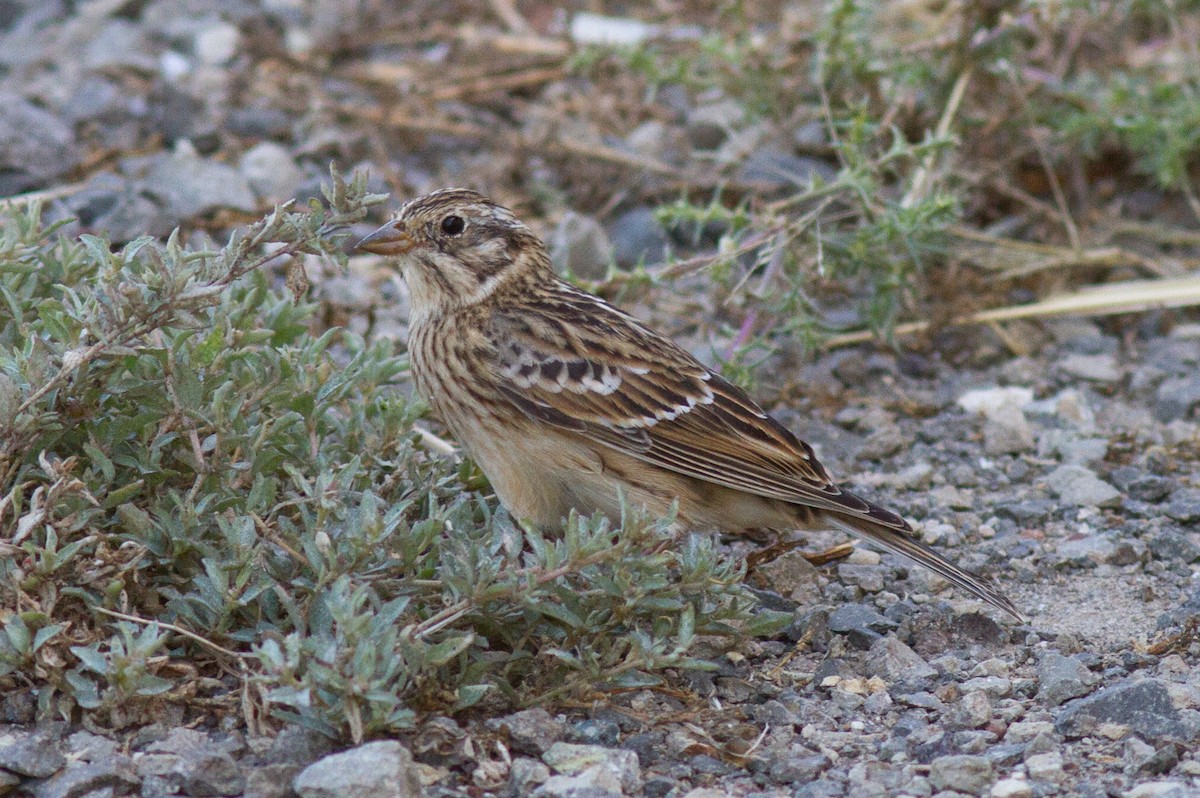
194, 474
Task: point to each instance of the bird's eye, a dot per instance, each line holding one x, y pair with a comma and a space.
453, 225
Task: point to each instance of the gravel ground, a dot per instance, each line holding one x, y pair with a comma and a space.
1072, 473
1083, 502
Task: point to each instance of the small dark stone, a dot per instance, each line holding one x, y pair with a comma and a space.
703, 763
916, 365
1027, 512
770, 600
850, 617
1174, 546
798, 768
821, 788
176, 114
35, 146
596, 732
1062, 678
936, 632
1185, 505
18, 706
811, 625
637, 237
648, 746
1176, 398
1144, 706
863, 639
1162, 761
1005, 755
658, 786
259, 123
940, 744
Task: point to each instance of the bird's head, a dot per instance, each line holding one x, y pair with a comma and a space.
456, 247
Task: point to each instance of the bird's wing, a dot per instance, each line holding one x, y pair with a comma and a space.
576, 363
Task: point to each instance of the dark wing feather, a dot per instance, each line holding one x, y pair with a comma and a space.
578, 364
585, 367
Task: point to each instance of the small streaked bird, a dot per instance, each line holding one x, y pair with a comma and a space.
565, 401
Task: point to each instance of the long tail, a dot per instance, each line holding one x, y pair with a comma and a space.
897, 537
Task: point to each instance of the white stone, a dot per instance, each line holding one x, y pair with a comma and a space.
1012, 788
217, 44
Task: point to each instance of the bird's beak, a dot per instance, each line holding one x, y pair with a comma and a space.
387, 240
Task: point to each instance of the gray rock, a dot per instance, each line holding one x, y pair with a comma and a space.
595, 765
90, 747
35, 755
1067, 445
1005, 428
882, 442
1027, 512
382, 769
871, 578
1007, 431
525, 774
657, 140
596, 731
811, 135
1176, 397
793, 576
115, 774
210, 773
1062, 678
271, 171
1011, 788
964, 773
863, 625
189, 186
1078, 485
592, 783
113, 207
216, 44
271, 781
259, 122
638, 237
579, 246
798, 766
1093, 368
1045, 767
296, 745
1185, 505
18, 706
1142, 485
177, 115
973, 710
1174, 546
1143, 705
119, 44
1084, 552
774, 169
530, 731
180, 741
1161, 789
36, 147
708, 126
895, 662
